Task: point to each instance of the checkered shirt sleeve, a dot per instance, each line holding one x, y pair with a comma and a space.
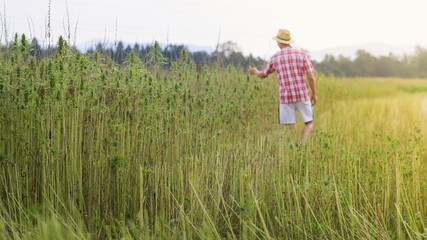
269, 68
308, 67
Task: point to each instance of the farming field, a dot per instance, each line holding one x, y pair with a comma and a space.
93, 150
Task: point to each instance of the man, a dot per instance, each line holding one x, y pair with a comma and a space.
290, 66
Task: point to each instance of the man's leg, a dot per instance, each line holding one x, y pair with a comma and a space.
306, 112
287, 117
306, 130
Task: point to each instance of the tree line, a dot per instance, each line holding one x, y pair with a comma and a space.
228, 53
367, 65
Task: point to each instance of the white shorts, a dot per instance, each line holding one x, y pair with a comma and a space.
287, 112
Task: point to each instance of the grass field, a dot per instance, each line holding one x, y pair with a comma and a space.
93, 150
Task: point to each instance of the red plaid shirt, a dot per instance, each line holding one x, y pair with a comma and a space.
290, 65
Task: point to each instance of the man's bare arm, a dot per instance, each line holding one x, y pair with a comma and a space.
254, 71
312, 84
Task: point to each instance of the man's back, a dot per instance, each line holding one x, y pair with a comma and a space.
290, 66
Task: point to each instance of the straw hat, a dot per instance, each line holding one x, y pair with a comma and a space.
284, 36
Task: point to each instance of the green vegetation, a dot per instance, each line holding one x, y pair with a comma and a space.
90, 149
367, 65
227, 53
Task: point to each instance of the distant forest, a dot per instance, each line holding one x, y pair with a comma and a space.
228, 53
367, 65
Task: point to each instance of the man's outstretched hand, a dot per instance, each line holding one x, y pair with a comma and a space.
254, 71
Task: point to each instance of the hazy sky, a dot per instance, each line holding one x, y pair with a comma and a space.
314, 24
